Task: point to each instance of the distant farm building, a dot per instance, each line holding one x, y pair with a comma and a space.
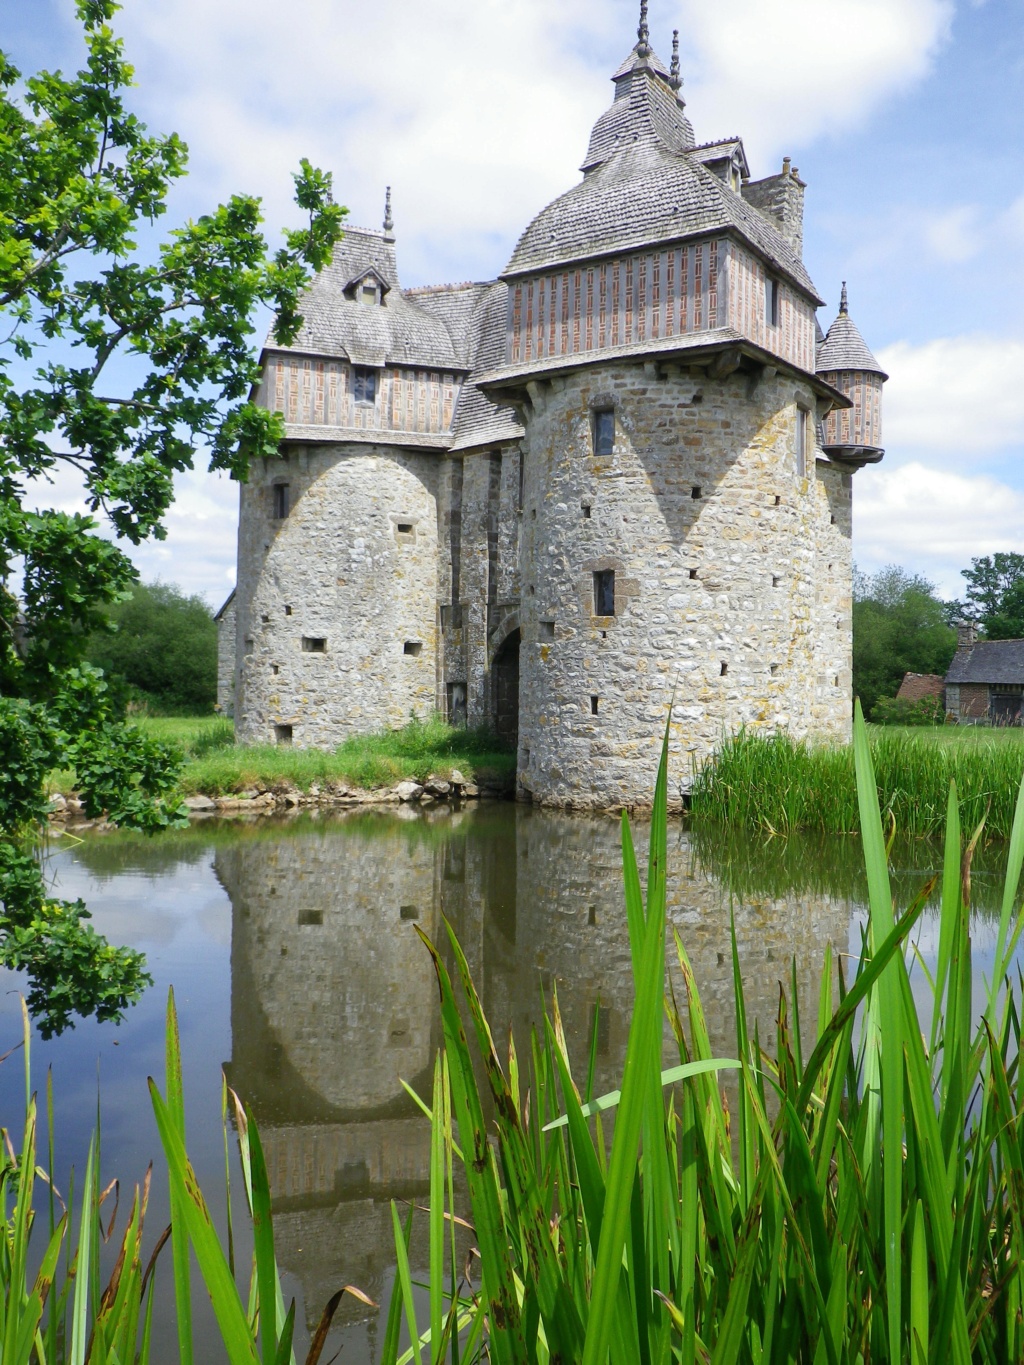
985, 682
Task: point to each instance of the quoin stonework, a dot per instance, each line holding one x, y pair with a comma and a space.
617, 476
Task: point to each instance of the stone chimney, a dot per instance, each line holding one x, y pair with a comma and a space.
781, 199
966, 634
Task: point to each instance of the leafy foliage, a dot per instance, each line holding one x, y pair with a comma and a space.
163, 645
995, 595
858, 1198
899, 711
81, 308
899, 626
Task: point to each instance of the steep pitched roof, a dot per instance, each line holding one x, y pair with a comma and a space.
844, 348
398, 331
647, 195
645, 109
919, 686
477, 317
989, 661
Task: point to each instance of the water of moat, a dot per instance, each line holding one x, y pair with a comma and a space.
297, 970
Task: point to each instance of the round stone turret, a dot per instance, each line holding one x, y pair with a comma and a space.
853, 436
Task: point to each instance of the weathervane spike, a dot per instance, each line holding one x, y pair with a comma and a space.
843, 304
389, 222
675, 80
643, 45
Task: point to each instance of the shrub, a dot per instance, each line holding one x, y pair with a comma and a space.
899, 711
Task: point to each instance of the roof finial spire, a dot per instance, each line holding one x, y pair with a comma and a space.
389, 222
643, 45
843, 305
675, 80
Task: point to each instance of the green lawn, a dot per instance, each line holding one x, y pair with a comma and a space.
951, 734
216, 766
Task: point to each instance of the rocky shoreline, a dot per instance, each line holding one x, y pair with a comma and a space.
282, 797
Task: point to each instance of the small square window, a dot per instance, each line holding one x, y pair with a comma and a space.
309, 918
695, 492
604, 592
693, 573
283, 734
408, 912
314, 644
404, 528
280, 492
604, 431
413, 647
364, 384
546, 630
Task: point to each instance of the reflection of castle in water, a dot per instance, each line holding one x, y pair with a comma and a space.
334, 999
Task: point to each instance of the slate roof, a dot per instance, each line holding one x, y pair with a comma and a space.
722, 150
845, 349
477, 317
647, 195
398, 332
988, 661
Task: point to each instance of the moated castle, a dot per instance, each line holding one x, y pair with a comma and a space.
618, 474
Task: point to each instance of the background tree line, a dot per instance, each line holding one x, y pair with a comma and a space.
901, 626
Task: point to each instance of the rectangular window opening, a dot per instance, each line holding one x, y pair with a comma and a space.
283, 734
802, 428
604, 592
695, 492
404, 528
409, 912
774, 669
280, 492
778, 500
771, 301
413, 647
287, 611
314, 644
693, 573
593, 705
585, 509
725, 669
274, 669
833, 521
311, 917
546, 630
604, 431
775, 580
364, 384
592, 916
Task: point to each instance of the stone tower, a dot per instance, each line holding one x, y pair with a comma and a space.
617, 476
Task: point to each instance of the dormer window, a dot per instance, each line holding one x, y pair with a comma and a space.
367, 288
368, 294
364, 384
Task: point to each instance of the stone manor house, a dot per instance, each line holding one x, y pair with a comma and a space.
617, 476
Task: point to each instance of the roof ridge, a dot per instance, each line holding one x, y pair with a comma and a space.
448, 288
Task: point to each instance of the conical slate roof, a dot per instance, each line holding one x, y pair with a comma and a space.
844, 348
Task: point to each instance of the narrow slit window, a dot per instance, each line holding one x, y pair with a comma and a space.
364, 384
775, 580
281, 503
604, 431
585, 509
593, 705
771, 301
287, 611
604, 592
802, 428
314, 644
725, 669
413, 647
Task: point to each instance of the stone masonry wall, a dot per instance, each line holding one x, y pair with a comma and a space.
226, 649
720, 552
337, 602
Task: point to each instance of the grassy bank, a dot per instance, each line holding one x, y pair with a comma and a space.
216, 766
777, 785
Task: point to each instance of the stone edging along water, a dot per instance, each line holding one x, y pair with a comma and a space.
282, 796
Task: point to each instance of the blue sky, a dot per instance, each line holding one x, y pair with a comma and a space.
905, 117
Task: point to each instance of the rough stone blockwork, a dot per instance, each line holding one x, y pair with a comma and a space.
619, 475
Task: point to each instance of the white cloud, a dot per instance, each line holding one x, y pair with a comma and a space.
959, 395
932, 521
478, 114
199, 552
788, 71
955, 235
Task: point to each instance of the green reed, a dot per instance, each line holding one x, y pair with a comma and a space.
863, 1202
69, 1312
776, 784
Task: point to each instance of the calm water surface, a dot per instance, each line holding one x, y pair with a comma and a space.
298, 973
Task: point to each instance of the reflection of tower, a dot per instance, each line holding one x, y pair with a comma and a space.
334, 997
